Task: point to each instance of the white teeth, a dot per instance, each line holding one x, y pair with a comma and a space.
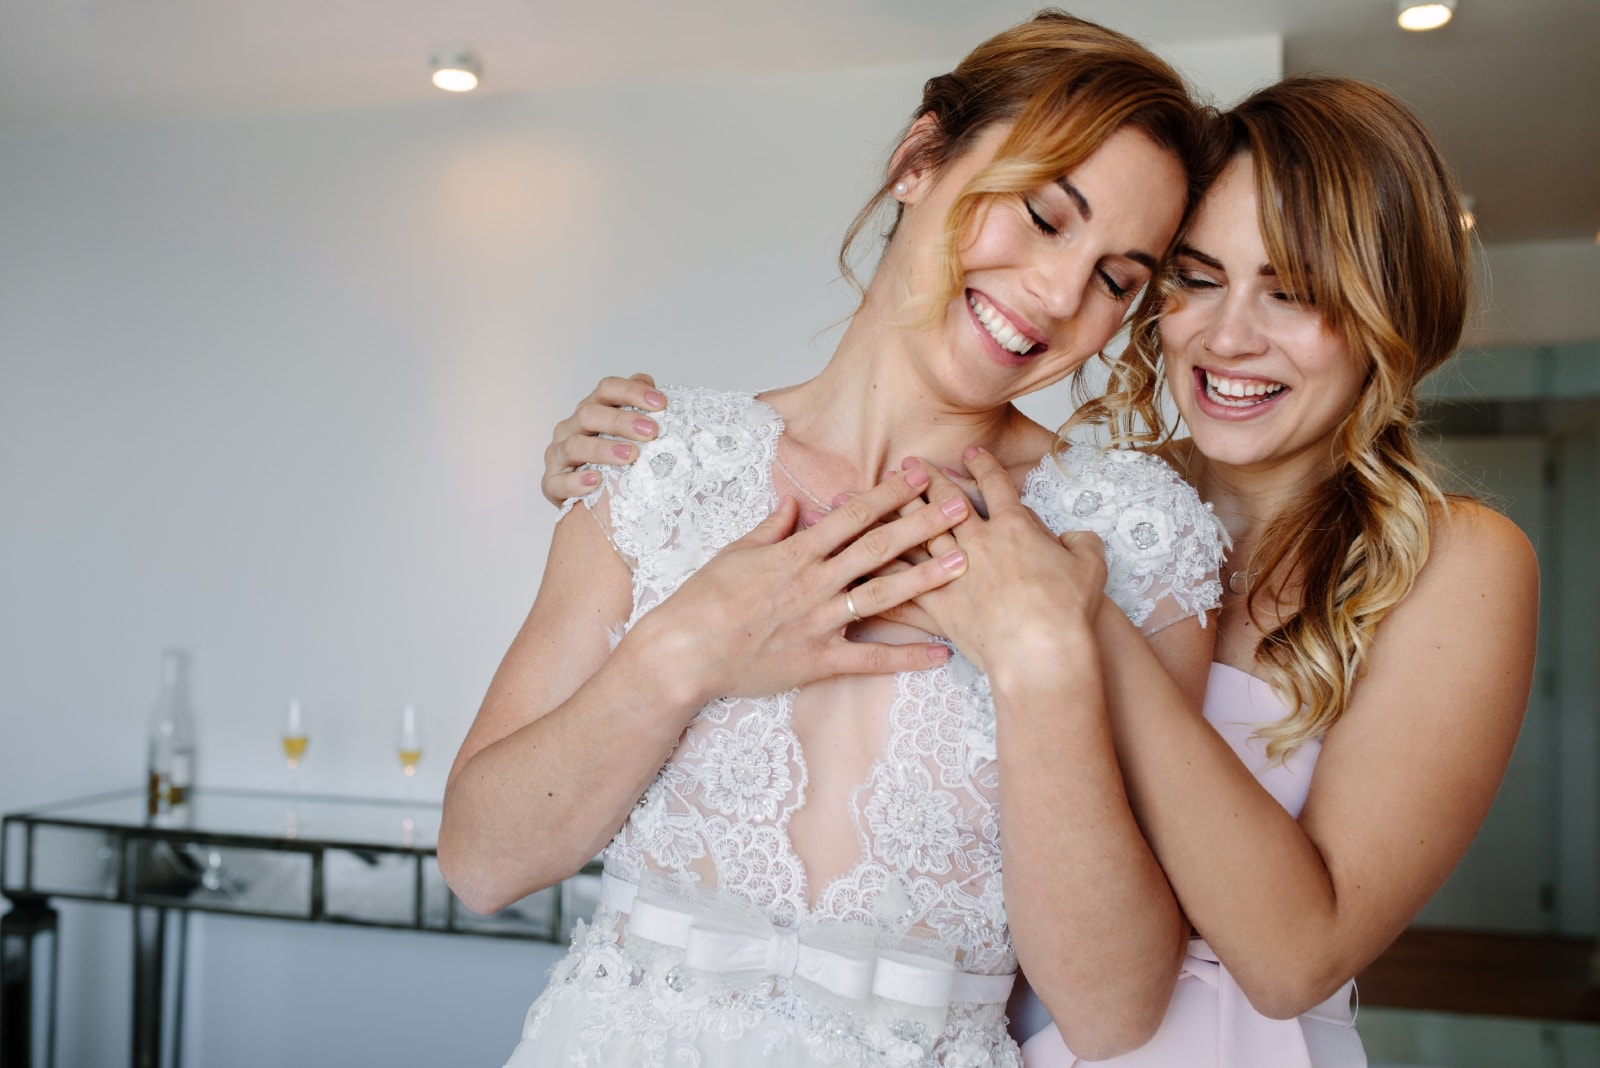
1002, 332
1240, 392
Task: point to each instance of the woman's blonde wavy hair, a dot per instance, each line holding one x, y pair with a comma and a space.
1066, 85
1361, 218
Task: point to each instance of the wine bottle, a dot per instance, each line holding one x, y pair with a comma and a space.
171, 745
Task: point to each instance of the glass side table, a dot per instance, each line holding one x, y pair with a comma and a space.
303, 858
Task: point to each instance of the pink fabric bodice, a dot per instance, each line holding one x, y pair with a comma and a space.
1237, 703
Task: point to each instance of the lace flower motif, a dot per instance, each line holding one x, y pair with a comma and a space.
913, 826
1145, 534
678, 990
724, 450
967, 1053
1093, 504
672, 839
664, 467
745, 770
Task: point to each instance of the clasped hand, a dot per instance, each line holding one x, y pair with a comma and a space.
769, 612
1024, 588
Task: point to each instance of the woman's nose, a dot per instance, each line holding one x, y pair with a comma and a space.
1235, 330
1059, 285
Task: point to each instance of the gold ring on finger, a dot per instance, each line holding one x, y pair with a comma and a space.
850, 606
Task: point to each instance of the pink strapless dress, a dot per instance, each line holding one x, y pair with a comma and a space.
1210, 1023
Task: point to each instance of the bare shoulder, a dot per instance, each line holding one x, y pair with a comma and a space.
1461, 641
1473, 543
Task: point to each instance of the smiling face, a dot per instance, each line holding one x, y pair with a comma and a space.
1048, 275
1259, 378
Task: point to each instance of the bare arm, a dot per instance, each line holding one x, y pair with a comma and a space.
568, 736
1096, 926
1403, 782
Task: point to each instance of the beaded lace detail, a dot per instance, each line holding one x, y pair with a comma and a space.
714, 827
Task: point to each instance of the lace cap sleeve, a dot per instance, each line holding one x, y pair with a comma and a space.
1163, 546
698, 484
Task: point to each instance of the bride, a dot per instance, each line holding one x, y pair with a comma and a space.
802, 802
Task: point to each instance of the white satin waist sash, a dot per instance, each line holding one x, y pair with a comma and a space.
1211, 1023
842, 959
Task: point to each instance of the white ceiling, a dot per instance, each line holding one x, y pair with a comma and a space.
1512, 87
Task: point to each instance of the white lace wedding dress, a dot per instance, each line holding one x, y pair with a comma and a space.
814, 877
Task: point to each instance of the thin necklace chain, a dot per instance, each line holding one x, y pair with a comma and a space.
797, 484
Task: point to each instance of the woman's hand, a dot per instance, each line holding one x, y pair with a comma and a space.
769, 612
1025, 587
577, 439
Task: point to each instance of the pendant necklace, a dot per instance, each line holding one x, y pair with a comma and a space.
797, 484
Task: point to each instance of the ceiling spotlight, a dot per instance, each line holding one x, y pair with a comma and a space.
455, 70
1425, 14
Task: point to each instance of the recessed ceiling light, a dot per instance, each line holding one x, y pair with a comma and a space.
455, 70
1425, 14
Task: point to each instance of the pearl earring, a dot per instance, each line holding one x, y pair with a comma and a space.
901, 189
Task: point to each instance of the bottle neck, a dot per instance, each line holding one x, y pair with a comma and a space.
171, 713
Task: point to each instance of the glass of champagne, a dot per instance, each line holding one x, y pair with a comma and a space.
408, 745
295, 740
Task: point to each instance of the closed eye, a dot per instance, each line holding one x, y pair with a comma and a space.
1038, 220
1189, 281
1115, 288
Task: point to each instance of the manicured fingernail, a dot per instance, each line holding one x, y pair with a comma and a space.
938, 653
654, 399
917, 477
622, 452
838, 500
954, 506
590, 478
811, 519
953, 473
644, 428
971, 451
954, 561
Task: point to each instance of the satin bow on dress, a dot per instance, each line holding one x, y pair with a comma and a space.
718, 936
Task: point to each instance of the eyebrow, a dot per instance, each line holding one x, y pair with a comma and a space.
1266, 271
1082, 202
1077, 197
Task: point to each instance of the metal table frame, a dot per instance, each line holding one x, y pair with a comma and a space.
177, 863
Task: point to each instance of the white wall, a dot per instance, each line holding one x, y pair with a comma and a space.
1538, 293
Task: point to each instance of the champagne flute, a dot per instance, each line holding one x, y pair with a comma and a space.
295, 740
408, 745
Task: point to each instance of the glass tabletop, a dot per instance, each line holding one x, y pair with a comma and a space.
284, 855
304, 819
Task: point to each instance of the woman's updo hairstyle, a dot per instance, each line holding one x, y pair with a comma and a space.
1065, 85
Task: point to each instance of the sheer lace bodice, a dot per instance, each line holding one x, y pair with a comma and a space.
854, 820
